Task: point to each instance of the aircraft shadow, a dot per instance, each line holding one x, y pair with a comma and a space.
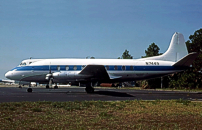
112, 93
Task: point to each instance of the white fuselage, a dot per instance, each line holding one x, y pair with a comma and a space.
68, 70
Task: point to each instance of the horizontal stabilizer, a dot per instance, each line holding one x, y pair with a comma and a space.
97, 71
187, 60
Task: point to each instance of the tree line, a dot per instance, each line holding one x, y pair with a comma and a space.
190, 78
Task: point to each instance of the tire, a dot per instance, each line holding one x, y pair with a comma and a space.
29, 90
89, 90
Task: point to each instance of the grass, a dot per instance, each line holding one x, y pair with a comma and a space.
137, 114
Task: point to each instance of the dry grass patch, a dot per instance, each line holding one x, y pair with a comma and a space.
175, 114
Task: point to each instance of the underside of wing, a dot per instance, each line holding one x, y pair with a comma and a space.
114, 77
97, 71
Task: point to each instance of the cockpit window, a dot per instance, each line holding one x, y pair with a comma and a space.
23, 64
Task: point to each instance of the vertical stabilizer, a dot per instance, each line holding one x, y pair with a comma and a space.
176, 50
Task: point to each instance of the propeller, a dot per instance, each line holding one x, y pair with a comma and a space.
49, 76
50, 83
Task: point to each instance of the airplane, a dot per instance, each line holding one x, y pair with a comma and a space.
91, 71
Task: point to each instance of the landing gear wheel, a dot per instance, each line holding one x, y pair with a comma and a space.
47, 86
20, 86
55, 87
89, 89
29, 90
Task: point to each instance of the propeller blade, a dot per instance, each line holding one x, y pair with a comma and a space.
50, 83
49, 75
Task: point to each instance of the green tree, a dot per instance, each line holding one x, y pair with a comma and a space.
126, 55
152, 50
192, 77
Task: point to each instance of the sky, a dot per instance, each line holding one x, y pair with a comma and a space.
98, 28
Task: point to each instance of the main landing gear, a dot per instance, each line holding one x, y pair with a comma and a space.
50, 84
89, 88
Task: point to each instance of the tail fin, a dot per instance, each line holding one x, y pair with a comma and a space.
176, 50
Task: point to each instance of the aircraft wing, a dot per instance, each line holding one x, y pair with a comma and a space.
187, 60
7, 81
97, 71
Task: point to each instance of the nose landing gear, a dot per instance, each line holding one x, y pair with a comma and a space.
29, 90
47, 86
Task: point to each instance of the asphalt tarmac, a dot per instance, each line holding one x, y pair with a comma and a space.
15, 94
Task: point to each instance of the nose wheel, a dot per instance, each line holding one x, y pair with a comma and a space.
29, 90
47, 86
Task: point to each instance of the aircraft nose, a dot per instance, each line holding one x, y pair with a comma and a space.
8, 74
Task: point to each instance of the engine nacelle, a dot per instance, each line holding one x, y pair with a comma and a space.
69, 75
48, 76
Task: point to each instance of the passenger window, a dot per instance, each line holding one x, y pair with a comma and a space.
131, 67
67, 67
115, 67
123, 68
75, 67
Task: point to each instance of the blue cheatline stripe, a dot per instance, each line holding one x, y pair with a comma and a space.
111, 68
